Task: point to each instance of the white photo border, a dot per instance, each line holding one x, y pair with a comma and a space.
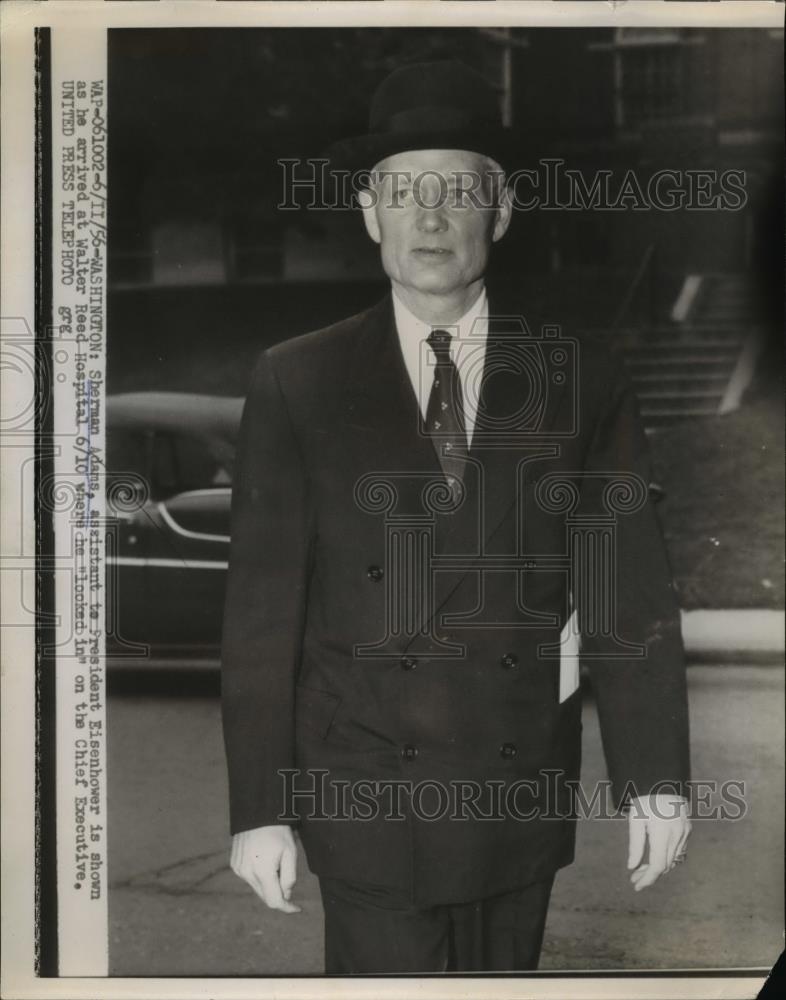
18, 19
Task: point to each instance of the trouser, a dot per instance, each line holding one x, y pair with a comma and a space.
365, 934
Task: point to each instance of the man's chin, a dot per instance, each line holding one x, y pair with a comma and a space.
435, 284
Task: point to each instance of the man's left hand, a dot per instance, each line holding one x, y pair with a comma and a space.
663, 821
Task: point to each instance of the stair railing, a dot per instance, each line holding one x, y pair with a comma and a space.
644, 270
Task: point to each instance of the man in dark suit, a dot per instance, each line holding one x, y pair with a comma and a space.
428, 499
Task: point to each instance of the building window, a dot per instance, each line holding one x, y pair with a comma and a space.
660, 75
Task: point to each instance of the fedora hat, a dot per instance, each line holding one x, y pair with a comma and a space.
433, 105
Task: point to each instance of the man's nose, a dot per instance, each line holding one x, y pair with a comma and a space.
431, 220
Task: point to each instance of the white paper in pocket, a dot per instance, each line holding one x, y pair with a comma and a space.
569, 658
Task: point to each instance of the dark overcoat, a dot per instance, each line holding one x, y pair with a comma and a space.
376, 633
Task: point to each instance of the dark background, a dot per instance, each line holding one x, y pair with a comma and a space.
199, 251
204, 270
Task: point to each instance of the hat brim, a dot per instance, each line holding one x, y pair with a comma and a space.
362, 153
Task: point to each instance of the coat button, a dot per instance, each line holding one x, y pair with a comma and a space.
375, 573
508, 751
509, 660
409, 752
408, 662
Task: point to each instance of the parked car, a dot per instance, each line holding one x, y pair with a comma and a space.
169, 460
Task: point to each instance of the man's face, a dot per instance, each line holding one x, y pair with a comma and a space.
433, 239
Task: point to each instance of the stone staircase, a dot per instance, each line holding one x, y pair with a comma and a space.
687, 369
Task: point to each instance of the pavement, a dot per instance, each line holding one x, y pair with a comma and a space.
177, 910
733, 634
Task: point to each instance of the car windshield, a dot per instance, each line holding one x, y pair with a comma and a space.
191, 462
167, 461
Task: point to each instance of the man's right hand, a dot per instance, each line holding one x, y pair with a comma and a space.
266, 858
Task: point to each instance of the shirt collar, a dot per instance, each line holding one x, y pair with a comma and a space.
412, 330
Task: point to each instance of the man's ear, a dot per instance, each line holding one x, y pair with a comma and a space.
368, 203
504, 212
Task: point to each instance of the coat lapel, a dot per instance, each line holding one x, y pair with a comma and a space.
382, 417
518, 406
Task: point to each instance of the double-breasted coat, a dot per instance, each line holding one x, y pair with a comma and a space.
338, 666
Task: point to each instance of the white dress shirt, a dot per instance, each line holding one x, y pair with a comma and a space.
467, 351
